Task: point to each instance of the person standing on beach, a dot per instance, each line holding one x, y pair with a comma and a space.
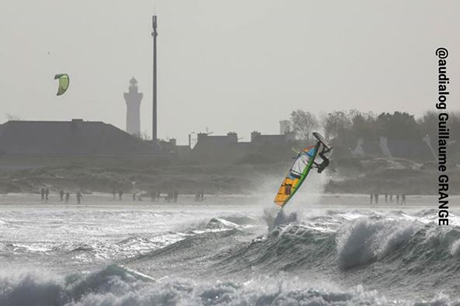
67, 197
403, 199
371, 198
397, 199
120, 195
176, 195
47, 193
79, 197
169, 197
61, 194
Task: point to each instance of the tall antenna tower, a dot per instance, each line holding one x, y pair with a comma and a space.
154, 93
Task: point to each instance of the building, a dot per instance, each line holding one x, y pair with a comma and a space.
417, 150
133, 108
227, 148
285, 127
69, 138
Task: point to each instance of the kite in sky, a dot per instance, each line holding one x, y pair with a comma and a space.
64, 82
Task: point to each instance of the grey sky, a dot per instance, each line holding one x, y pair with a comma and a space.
234, 65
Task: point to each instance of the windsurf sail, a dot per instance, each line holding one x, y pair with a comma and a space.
296, 175
64, 82
300, 169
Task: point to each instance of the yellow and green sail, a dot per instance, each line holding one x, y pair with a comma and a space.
299, 170
296, 175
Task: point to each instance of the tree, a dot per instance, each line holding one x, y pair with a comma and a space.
398, 126
363, 125
335, 124
303, 124
10, 117
454, 125
428, 124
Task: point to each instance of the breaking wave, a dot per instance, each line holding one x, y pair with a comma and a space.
320, 259
118, 286
379, 250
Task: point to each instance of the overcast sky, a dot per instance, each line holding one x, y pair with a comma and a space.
234, 65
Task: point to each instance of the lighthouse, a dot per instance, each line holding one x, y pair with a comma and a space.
133, 108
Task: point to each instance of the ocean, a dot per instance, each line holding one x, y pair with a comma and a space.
340, 251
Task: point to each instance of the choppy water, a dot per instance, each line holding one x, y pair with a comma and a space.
339, 252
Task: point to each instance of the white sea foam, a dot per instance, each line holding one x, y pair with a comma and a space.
213, 238
116, 286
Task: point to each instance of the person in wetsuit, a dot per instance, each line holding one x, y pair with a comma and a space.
325, 162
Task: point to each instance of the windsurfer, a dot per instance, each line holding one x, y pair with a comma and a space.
325, 162
300, 168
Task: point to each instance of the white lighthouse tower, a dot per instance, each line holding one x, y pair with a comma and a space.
133, 109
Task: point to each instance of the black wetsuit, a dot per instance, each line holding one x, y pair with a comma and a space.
323, 165
325, 162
